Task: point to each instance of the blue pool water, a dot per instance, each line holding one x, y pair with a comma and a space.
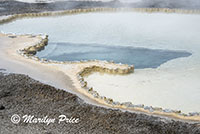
140, 57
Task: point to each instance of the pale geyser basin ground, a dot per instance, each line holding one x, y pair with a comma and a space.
175, 84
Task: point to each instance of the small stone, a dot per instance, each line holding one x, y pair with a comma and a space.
91, 89
83, 84
167, 111
116, 103
109, 100
12, 36
194, 114
139, 105
183, 114
149, 108
176, 111
2, 107
127, 104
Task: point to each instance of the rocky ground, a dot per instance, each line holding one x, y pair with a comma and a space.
19, 94
8, 7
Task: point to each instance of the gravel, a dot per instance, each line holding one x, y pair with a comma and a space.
19, 94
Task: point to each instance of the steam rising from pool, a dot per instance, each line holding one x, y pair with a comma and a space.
173, 83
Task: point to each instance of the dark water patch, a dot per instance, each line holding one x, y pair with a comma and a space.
140, 57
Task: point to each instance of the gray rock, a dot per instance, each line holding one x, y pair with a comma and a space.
2, 107
194, 114
127, 104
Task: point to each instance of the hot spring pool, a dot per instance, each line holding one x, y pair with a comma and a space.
163, 47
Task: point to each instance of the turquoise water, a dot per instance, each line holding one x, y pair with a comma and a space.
140, 57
